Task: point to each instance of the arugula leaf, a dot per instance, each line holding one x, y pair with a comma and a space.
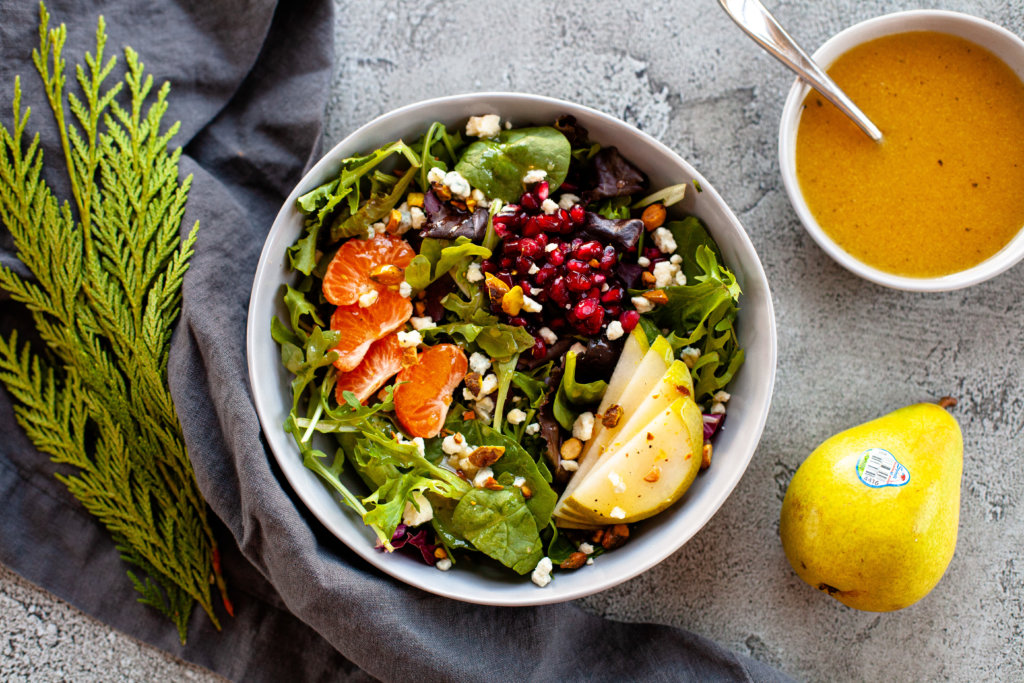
376, 207
496, 340
690, 234
573, 393
437, 148
704, 315
437, 257
302, 254
298, 305
499, 524
497, 166
614, 208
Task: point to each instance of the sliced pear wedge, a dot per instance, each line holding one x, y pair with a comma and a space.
652, 470
639, 379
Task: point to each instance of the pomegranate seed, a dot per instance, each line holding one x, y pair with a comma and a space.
539, 349
592, 325
544, 275
586, 308
488, 266
541, 191
559, 291
532, 228
556, 257
609, 258
613, 310
576, 214
529, 202
612, 295
525, 284
588, 250
629, 319
548, 223
523, 264
594, 292
542, 240
599, 279
652, 253
506, 278
577, 266
529, 248
564, 222
575, 244
557, 324
577, 282
510, 247
505, 262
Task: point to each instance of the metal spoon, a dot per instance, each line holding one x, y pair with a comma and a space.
759, 24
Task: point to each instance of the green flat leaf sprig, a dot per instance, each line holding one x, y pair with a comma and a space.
104, 292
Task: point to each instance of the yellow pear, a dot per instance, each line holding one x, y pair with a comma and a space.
871, 515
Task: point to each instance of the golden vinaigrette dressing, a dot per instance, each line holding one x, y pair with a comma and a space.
945, 189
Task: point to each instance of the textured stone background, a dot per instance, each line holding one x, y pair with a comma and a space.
848, 350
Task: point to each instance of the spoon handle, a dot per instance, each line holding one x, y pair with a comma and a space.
759, 24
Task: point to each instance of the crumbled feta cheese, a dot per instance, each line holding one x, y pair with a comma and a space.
508, 125
533, 269
534, 291
614, 330
618, 485
570, 465
484, 408
547, 335
533, 428
473, 273
548, 206
486, 126
424, 323
605, 287
676, 259
412, 516
534, 175
454, 444
680, 278
405, 289
721, 396
457, 184
664, 240
586, 548
519, 481
488, 384
643, 261
567, 201
480, 198
368, 298
542, 572
409, 340
717, 408
551, 247
578, 348
590, 560
406, 220
421, 447
531, 305
435, 175
417, 218
481, 476
617, 513
689, 356
379, 228
583, 427
664, 273
641, 304
479, 363
516, 417
444, 564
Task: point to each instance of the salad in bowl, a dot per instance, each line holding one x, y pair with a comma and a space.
504, 334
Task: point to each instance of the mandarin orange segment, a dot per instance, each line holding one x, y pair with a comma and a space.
424, 390
360, 327
348, 274
381, 362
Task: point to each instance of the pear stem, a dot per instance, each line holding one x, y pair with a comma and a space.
947, 402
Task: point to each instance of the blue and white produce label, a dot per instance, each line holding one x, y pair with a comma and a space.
878, 468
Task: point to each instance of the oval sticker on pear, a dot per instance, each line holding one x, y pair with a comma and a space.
879, 468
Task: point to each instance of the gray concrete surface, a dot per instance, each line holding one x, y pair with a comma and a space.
849, 351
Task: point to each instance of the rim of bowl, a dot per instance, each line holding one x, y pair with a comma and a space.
365, 550
939, 21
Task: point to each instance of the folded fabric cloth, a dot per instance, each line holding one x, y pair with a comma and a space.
248, 83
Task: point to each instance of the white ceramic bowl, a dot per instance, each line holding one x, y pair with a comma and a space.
996, 39
655, 539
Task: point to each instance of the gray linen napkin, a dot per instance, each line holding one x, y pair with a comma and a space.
249, 81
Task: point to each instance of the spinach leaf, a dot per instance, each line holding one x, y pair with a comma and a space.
444, 509
572, 393
497, 166
499, 524
516, 462
690, 234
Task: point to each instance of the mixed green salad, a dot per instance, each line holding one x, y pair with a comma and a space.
464, 311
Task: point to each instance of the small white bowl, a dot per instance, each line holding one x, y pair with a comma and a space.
994, 38
655, 539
